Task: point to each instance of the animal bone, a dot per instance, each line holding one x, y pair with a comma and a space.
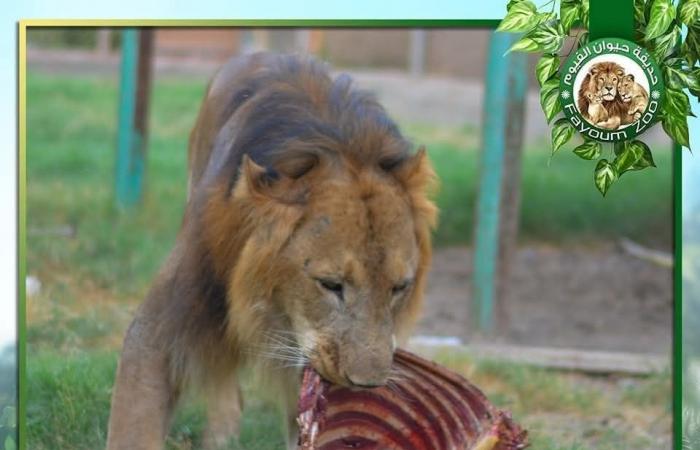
425, 407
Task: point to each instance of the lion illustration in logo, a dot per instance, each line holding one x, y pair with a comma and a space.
623, 99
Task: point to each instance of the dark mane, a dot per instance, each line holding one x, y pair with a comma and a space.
292, 113
583, 102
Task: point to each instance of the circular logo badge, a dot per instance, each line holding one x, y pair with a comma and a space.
611, 90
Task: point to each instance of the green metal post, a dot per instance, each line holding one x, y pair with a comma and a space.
506, 85
134, 93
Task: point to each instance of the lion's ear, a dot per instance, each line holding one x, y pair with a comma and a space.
594, 70
620, 72
262, 184
630, 77
254, 176
416, 172
417, 176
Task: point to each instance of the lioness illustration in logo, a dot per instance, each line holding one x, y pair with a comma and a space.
634, 95
620, 96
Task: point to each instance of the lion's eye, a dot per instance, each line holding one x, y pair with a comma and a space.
332, 286
401, 287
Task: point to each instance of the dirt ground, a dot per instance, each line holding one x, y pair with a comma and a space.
587, 298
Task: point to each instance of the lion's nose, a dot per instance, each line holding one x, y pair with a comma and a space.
369, 371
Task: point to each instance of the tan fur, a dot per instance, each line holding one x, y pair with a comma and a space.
596, 111
634, 96
603, 79
247, 284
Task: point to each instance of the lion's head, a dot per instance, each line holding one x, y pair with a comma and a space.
626, 88
324, 239
602, 79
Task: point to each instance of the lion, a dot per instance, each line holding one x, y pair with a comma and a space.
634, 95
596, 111
305, 240
603, 79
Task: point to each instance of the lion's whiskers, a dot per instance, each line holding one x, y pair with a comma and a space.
282, 349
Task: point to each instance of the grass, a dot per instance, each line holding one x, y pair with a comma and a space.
68, 407
95, 262
69, 403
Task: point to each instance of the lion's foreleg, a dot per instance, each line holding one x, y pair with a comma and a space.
224, 408
613, 123
289, 398
143, 398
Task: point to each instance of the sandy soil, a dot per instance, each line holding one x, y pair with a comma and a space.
595, 299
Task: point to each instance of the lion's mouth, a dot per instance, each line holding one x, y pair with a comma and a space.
626, 98
608, 96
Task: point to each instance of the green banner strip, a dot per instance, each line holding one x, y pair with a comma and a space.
611, 18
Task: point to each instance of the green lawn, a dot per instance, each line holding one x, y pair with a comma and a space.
95, 273
69, 406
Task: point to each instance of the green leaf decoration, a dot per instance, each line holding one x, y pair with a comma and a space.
546, 18
627, 157
511, 3
676, 126
549, 99
604, 176
524, 45
665, 44
662, 14
690, 50
10, 443
570, 12
562, 132
548, 37
585, 13
589, 150
521, 17
639, 15
677, 78
645, 160
546, 67
692, 81
690, 12
676, 103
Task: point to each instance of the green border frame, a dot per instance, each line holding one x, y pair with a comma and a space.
677, 353
677, 395
22, 236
